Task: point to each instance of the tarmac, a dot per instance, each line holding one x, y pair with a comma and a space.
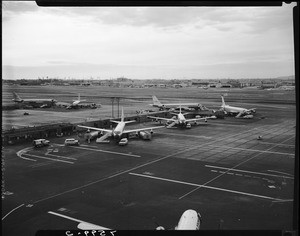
218, 168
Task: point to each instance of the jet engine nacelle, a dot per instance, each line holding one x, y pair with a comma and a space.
145, 135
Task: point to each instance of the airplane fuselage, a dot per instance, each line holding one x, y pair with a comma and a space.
118, 131
231, 109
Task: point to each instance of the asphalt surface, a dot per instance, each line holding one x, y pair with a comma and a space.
218, 168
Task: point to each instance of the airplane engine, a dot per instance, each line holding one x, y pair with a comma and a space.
145, 135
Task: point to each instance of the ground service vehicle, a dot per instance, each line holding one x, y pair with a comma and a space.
71, 141
41, 142
123, 142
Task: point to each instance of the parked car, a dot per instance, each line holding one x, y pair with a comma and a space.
71, 141
41, 142
123, 142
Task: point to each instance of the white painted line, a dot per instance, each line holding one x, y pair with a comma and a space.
254, 150
12, 211
209, 187
23, 151
76, 220
280, 173
99, 150
287, 200
84, 145
71, 158
246, 171
49, 158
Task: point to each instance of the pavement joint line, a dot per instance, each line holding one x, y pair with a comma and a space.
246, 171
206, 186
48, 158
229, 170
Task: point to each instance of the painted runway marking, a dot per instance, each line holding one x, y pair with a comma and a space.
12, 211
254, 150
246, 171
232, 169
137, 167
280, 172
76, 220
206, 186
23, 151
71, 158
99, 150
48, 158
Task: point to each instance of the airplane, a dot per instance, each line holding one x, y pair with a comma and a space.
75, 103
34, 102
168, 106
119, 131
239, 111
189, 220
180, 120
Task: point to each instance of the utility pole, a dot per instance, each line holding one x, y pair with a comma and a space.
112, 106
118, 101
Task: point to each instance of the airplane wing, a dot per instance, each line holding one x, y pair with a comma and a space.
160, 118
142, 129
201, 118
93, 128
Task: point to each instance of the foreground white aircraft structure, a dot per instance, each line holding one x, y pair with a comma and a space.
238, 111
167, 106
189, 220
180, 120
119, 131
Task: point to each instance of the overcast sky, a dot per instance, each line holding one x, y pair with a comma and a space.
145, 42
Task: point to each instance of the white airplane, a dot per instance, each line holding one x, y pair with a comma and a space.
34, 102
75, 103
167, 106
119, 131
180, 120
239, 111
189, 220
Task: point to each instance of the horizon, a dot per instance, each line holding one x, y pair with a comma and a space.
146, 42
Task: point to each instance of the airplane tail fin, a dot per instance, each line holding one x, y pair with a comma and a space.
156, 102
122, 115
16, 97
223, 102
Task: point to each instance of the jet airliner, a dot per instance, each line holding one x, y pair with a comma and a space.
168, 106
180, 120
119, 131
34, 102
238, 111
189, 220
